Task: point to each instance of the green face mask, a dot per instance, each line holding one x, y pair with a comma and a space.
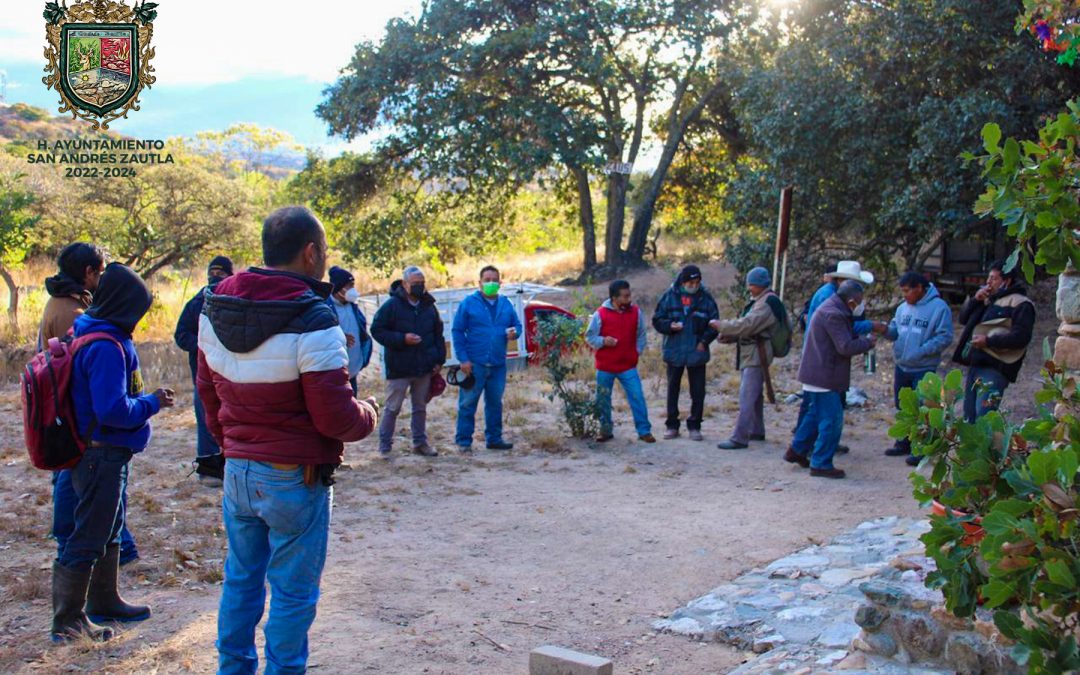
490, 288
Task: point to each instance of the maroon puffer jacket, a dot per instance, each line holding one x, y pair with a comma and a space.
272, 371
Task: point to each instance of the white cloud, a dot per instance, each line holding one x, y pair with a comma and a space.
211, 41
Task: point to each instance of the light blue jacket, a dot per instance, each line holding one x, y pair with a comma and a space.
478, 339
921, 332
592, 332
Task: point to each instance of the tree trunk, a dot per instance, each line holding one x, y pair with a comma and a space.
13, 297
585, 216
616, 219
639, 234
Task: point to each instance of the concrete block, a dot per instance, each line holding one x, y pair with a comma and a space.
551, 660
1068, 298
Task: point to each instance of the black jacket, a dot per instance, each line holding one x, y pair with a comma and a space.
187, 327
397, 317
1011, 303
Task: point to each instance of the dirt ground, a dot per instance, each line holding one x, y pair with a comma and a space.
463, 565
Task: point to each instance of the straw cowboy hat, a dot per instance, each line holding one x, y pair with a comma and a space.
850, 269
999, 326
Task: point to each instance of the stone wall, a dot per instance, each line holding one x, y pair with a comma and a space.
1067, 347
913, 629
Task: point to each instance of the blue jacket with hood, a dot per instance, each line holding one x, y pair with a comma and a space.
106, 384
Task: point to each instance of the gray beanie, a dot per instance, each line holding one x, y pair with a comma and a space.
759, 276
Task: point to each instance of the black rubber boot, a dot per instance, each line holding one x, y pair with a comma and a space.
69, 589
211, 470
103, 601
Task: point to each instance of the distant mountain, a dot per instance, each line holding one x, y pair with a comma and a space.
22, 125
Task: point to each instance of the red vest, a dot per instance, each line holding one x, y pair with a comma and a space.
623, 326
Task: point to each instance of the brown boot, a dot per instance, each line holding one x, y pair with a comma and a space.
103, 601
69, 601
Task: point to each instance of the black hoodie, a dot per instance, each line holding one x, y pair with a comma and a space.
122, 298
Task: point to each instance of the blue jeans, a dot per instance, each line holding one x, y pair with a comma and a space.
635, 395
64, 501
205, 445
277, 529
980, 399
491, 384
909, 379
98, 482
820, 429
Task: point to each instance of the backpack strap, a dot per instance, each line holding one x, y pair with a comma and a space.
85, 341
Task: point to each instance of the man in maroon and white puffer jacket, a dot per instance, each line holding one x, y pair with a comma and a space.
272, 376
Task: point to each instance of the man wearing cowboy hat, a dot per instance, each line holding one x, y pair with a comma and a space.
998, 326
845, 270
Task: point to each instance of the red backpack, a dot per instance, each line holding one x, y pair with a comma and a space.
52, 435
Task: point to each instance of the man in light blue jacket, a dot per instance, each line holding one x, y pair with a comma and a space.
921, 331
483, 325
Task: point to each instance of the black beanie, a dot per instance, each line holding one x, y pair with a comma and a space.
221, 263
689, 273
340, 278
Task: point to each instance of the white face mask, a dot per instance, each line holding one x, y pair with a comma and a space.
352, 295
860, 310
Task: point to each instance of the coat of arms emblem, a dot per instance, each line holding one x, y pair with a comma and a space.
99, 57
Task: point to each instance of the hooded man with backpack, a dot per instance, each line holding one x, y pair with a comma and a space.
682, 316
71, 291
209, 462
113, 414
763, 318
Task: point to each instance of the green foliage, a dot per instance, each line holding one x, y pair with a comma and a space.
1031, 190
17, 219
864, 109
559, 337
482, 95
84, 54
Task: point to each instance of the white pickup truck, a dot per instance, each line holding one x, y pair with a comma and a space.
521, 295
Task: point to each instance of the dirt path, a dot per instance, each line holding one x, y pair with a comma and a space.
463, 565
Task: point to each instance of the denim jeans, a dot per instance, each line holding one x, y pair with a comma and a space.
64, 500
635, 396
205, 445
491, 384
98, 482
819, 431
909, 379
277, 529
981, 399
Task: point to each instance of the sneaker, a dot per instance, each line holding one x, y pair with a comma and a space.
211, 470
796, 458
425, 450
913, 460
732, 445
500, 445
647, 438
897, 452
827, 473
757, 437
604, 437
695, 435
842, 449
670, 434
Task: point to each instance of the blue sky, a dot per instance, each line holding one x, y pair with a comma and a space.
220, 62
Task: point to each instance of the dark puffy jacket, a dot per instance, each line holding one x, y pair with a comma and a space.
1011, 303
187, 328
272, 371
680, 348
397, 317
